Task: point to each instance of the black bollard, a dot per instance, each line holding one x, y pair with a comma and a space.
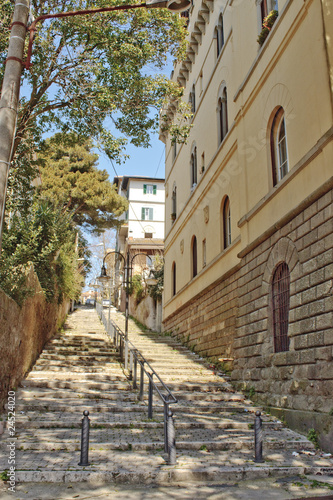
258, 438
85, 439
171, 439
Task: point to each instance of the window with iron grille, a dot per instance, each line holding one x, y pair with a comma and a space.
281, 303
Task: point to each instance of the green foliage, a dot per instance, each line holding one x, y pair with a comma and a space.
251, 392
4, 475
313, 437
155, 291
137, 288
267, 26
96, 74
42, 237
71, 180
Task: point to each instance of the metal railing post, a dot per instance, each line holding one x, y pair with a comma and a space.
166, 412
130, 377
258, 438
150, 396
121, 347
126, 353
135, 372
85, 439
171, 439
142, 374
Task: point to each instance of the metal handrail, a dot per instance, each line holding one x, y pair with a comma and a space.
137, 357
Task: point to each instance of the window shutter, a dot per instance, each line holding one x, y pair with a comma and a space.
142, 213
145, 189
150, 214
154, 189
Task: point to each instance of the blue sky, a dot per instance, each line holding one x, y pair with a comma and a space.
142, 161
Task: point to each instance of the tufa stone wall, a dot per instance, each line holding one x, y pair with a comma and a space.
208, 322
23, 334
298, 383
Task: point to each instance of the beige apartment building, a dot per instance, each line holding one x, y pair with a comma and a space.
249, 240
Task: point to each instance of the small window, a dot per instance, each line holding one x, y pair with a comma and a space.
194, 173
192, 99
200, 83
174, 150
279, 150
174, 203
194, 257
146, 213
204, 253
219, 35
173, 274
149, 189
280, 307
223, 114
266, 6
148, 235
226, 223
202, 169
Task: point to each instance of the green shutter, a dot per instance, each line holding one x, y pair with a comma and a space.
150, 214
145, 189
154, 189
142, 213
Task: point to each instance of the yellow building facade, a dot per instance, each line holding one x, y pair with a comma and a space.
249, 243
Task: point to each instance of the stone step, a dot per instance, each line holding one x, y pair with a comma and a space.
69, 422
75, 385
82, 358
164, 477
234, 440
116, 394
100, 406
73, 368
67, 353
101, 385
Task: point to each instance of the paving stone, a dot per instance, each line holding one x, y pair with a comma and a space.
80, 369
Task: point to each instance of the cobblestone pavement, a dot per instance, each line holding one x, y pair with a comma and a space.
80, 370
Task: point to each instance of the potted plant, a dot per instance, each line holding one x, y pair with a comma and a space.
267, 26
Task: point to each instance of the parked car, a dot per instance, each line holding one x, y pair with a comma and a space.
90, 302
106, 302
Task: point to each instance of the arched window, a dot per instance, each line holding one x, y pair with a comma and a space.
174, 150
173, 279
219, 35
280, 307
174, 203
194, 168
279, 150
194, 257
192, 99
222, 107
226, 215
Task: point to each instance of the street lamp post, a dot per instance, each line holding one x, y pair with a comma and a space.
127, 267
14, 63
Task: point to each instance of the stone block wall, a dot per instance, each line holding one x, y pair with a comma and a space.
208, 322
23, 334
300, 379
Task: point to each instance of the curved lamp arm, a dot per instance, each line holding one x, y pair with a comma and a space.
104, 276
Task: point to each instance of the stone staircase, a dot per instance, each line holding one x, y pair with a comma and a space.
80, 370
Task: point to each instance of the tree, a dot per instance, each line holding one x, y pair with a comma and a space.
94, 73
71, 180
45, 238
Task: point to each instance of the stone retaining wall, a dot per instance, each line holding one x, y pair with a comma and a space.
23, 334
208, 322
300, 379
233, 319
